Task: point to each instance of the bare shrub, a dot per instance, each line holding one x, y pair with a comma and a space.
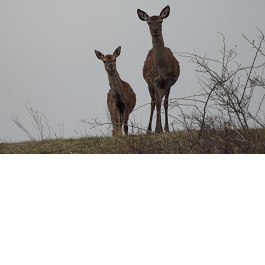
42, 129
231, 96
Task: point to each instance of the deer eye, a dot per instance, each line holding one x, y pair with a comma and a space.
114, 60
104, 61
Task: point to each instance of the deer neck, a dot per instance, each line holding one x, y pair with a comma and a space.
115, 82
159, 55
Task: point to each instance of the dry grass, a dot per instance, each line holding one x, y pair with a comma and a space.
181, 142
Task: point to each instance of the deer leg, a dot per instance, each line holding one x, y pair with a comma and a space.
166, 110
125, 123
114, 124
159, 96
153, 102
120, 122
125, 129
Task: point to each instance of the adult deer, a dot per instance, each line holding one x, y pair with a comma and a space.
161, 69
121, 98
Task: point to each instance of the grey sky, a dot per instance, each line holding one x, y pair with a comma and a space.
47, 53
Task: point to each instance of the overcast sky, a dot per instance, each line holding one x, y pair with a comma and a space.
47, 54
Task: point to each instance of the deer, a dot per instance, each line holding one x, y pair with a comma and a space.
121, 98
161, 69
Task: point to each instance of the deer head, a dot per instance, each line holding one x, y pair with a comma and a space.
154, 22
109, 60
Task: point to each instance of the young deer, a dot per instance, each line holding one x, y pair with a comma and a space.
121, 98
161, 69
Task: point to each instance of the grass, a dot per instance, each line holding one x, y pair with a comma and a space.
88, 145
181, 142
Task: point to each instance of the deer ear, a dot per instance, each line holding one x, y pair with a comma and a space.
117, 52
142, 15
99, 55
165, 12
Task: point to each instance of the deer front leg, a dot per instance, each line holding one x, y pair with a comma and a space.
158, 128
153, 102
116, 123
125, 122
159, 96
120, 122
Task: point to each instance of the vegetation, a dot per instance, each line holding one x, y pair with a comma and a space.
212, 141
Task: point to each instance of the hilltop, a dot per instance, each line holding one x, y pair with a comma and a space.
180, 142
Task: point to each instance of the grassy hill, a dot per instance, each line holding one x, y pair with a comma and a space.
180, 142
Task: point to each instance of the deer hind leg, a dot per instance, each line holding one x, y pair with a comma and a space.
166, 110
153, 102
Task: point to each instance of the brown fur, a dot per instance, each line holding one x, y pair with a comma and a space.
121, 98
161, 69
120, 108
150, 72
